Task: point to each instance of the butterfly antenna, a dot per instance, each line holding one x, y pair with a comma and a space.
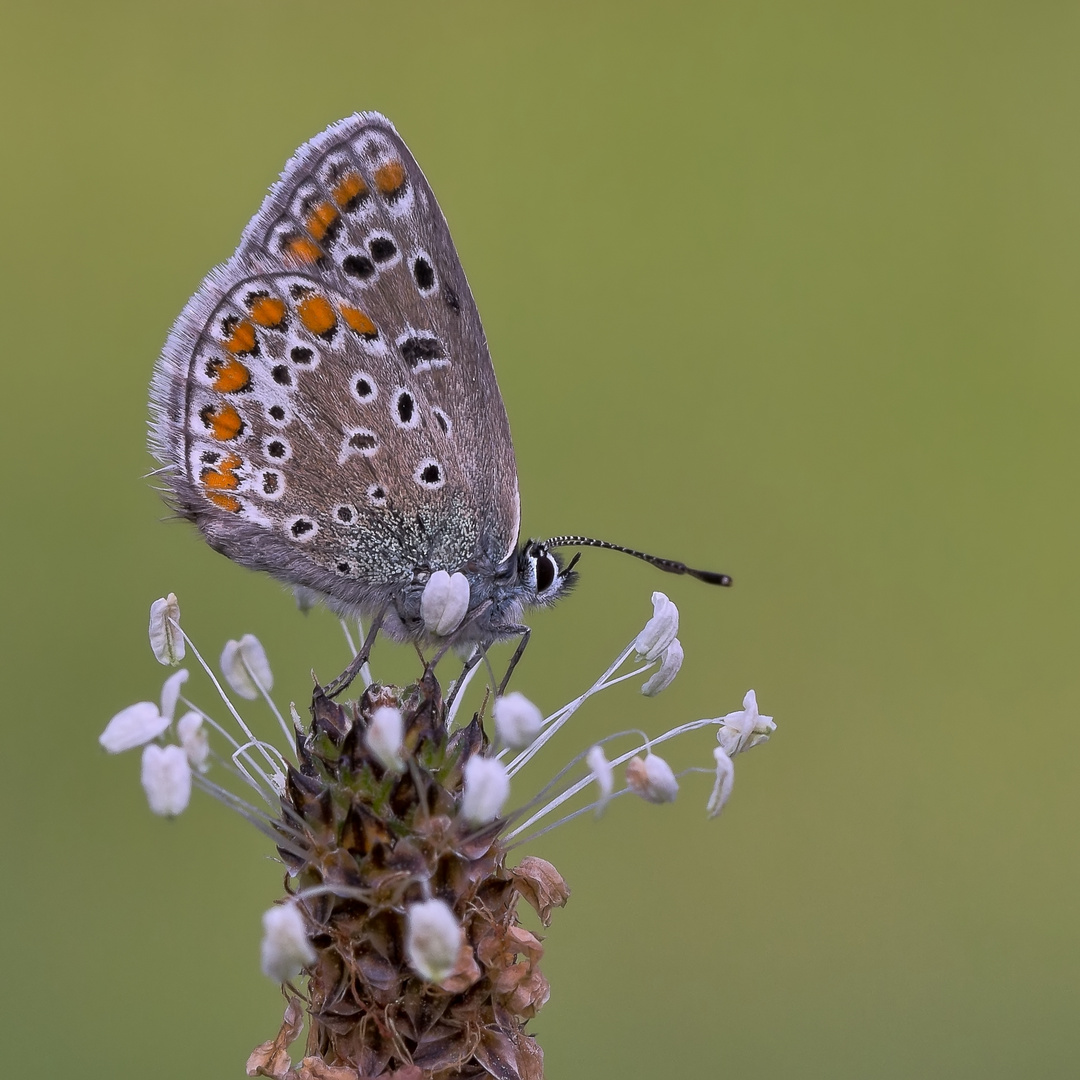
671, 566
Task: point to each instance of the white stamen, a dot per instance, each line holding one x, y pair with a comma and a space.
246, 668
166, 779
651, 778
384, 736
487, 787
517, 720
444, 602
725, 780
433, 939
662, 678
285, 949
559, 718
165, 637
134, 726
264, 749
195, 740
660, 630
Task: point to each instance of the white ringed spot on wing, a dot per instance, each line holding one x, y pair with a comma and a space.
403, 410
302, 527
429, 474
277, 448
364, 387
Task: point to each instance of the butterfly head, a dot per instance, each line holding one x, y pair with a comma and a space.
542, 574
533, 576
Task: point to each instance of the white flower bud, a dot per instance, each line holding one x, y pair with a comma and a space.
285, 949
384, 736
444, 602
652, 779
602, 773
133, 726
725, 780
660, 630
517, 720
433, 939
664, 675
170, 692
246, 668
165, 637
742, 730
487, 787
194, 739
166, 779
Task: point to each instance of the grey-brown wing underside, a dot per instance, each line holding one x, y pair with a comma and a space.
326, 401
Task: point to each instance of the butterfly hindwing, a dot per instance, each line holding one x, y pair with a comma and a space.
326, 401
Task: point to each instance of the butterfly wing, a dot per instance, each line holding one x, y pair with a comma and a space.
326, 405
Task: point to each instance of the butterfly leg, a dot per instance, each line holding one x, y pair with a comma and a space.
524, 631
343, 681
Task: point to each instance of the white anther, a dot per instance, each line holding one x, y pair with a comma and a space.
166, 779
134, 726
286, 949
725, 780
195, 740
165, 637
170, 692
487, 787
746, 728
246, 668
670, 662
652, 779
660, 630
517, 720
433, 939
602, 773
384, 737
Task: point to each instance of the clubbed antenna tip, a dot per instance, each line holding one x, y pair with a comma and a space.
671, 566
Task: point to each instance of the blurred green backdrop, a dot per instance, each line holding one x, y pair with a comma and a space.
784, 288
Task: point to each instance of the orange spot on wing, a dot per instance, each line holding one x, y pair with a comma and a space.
223, 421
390, 178
222, 478
220, 481
320, 219
225, 502
317, 314
230, 376
242, 339
358, 321
349, 189
302, 250
268, 311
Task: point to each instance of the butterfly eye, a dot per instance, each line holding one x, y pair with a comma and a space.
546, 571
539, 569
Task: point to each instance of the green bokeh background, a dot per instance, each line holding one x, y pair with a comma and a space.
784, 288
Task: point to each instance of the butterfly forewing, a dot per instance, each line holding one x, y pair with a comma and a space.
327, 400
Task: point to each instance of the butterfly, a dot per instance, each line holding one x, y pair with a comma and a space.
325, 408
